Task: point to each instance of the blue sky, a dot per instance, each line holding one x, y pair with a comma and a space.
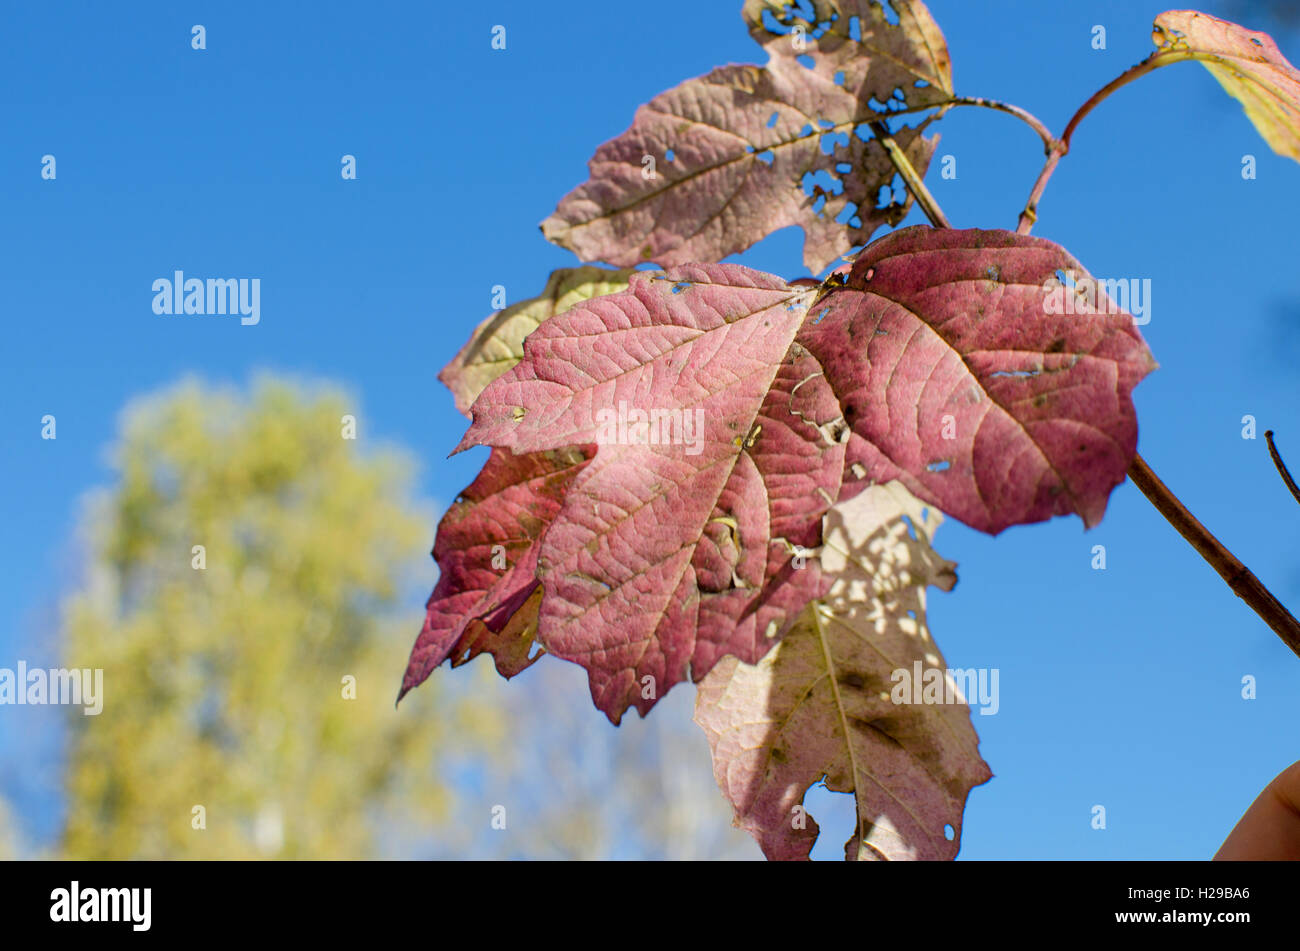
1119, 687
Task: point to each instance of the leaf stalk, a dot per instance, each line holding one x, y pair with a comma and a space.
1238, 577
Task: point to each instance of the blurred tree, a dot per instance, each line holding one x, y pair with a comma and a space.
8, 837
229, 728
567, 785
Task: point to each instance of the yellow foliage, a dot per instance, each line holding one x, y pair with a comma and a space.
227, 699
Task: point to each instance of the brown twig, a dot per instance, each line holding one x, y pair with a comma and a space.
1029, 217
1162, 57
1281, 466
1024, 115
1239, 578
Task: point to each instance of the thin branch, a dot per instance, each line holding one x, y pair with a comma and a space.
910, 177
1153, 62
1281, 466
1024, 115
1239, 578
1053, 146
1029, 217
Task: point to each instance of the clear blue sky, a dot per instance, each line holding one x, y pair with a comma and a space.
1119, 687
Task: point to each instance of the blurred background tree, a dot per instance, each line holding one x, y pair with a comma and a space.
575, 787
254, 678
224, 673
9, 848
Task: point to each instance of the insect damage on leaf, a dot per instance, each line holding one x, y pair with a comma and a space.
756, 149
986, 376
973, 394
825, 703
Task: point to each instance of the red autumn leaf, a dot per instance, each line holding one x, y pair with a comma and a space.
486, 552
956, 380
937, 364
498, 342
713, 165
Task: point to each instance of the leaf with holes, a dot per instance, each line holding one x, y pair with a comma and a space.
715, 164
731, 410
986, 371
1248, 65
856, 694
487, 545
498, 342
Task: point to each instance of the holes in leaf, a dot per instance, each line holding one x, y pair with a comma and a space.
1016, 373
855, 29
940, 466
949, 832
843, 167
891, 15
669, 155
911, 529
823, 180
893, 103
681, 286
993, 272
767, 156
806, 61
1256, 41
849, 211
839, 78
1067, 279
831, 139
771, 122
